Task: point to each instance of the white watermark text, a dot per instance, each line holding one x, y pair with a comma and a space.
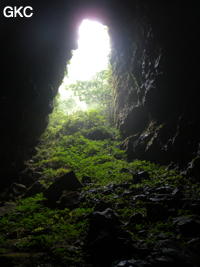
18, 12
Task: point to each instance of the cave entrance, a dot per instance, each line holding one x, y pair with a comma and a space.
86, 81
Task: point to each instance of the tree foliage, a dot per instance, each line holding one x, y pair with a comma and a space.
95, 93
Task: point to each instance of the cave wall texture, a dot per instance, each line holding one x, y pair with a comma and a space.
155, 70
155, 67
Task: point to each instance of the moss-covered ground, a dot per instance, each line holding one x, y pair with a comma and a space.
147, 199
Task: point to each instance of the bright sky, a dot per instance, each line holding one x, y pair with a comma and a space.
91, 55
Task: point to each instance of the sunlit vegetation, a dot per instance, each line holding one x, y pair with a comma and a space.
95, 93
85, 143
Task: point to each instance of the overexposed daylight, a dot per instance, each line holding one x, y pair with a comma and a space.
91, 56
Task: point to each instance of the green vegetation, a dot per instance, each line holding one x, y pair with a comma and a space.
96, 92
31, 225
88, 143
90, 146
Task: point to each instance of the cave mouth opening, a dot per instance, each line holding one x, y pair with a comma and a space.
86, 81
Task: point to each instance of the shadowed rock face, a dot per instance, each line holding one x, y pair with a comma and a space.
33, 58
155, 65
156, 82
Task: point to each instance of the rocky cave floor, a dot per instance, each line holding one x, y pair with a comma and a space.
140, 222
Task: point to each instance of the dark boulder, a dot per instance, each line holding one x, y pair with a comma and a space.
86, 180
106, 239
132, 263
34, 189
193, 169
99, 133
67, 182
18, 189
69, 199
13, 192
140, 176
189, 226
137, 218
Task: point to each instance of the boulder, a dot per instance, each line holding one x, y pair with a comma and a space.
18, 189
34, 189
193, 169
188, 225
67, 182
137, 218
14, 191
132, 263
106, 239
98, 133
140, 176
69, 199
86, 180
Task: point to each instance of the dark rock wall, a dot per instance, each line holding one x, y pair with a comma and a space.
155, 70
155, 66
33, 56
